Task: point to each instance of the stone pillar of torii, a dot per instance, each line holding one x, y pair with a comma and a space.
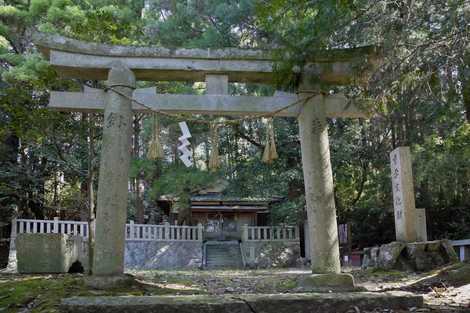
121, 66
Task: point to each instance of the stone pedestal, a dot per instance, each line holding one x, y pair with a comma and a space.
328, 282
318, 180
48, 253
415, 256
403, 195
111, 212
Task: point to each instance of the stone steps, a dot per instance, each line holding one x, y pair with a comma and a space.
261, 303
223, 254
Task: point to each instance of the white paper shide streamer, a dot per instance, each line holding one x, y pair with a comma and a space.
186, 153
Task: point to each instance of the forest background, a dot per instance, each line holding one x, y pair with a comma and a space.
420, 97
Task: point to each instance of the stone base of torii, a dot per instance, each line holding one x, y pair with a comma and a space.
122, 64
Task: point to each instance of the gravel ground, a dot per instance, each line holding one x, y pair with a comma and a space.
444, 290
441, 291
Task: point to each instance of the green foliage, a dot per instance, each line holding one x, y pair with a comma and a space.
300, 29
204, 24
33, 71
178, 180
39, 7
420, 94
104, 21
50, 142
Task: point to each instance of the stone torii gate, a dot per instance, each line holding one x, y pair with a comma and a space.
122, 65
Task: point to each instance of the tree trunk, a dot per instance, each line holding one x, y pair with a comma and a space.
90, 189
137, 182
466, 98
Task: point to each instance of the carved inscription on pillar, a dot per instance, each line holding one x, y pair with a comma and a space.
318, 125
403, 194
116, 119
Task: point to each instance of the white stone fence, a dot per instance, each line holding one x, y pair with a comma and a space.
135, 232
464, 248
270, 233
165, 232
150, 232
55, 226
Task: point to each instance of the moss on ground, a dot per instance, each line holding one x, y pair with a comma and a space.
392, 274
457, 274
288, 284
42, 293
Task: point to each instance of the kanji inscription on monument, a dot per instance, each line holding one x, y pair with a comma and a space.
403, 195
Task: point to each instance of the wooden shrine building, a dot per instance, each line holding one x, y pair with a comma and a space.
222, 216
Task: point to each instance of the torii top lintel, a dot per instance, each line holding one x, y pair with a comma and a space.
78, 59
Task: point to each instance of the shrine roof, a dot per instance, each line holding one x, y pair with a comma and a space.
219, 199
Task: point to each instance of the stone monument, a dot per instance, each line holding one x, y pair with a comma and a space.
421, 228
403, 195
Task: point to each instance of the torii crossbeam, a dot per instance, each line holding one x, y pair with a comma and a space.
122, 65
93, 100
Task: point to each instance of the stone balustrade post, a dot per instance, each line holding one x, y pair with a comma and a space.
167, 231
421, 229
200, 230
14, 231
462, 253
56, 225
131, 230
245, 232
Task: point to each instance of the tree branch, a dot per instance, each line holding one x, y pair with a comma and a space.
241, 134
